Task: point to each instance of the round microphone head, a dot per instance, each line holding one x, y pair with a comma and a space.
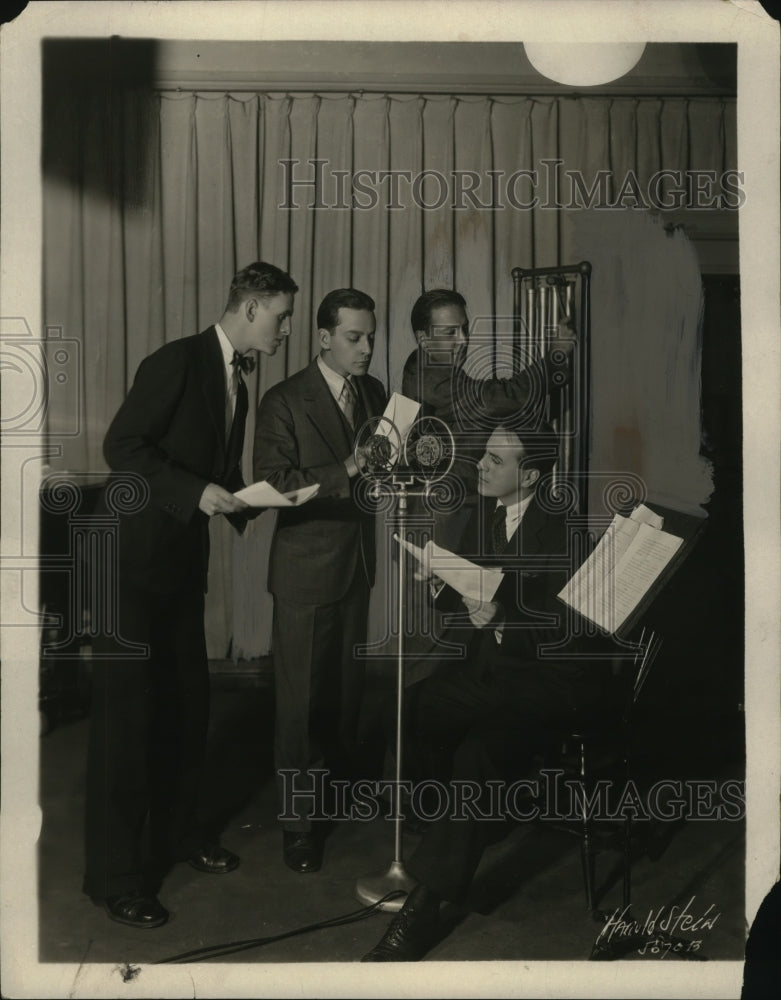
378, 452
429, 449
377, 447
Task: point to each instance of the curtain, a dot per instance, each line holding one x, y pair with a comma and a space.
153, 200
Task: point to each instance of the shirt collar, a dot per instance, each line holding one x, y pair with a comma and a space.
515, 513
226, 347
334, 379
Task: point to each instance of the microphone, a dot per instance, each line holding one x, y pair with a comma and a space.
377, 447
429, 451
429, 448
378, 452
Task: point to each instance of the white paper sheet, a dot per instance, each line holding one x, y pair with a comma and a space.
469, 579
401, 412
645, 515
620, 571
263, 494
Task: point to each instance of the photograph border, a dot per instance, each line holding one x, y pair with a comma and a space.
757, 37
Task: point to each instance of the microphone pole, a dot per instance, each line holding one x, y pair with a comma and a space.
371, 888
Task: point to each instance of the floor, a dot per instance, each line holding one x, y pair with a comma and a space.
526, 905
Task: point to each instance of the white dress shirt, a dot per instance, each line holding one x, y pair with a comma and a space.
231, 377
513, 518
335, 383
514, 515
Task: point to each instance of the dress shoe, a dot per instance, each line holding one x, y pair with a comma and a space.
414, 929
302, 851
215, 860
136, 910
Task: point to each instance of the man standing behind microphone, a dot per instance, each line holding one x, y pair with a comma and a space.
322, 559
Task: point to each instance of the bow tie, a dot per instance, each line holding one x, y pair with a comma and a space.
243, 361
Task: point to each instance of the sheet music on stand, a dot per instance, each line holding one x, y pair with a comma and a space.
629, 565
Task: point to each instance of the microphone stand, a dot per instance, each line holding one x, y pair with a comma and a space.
371, 888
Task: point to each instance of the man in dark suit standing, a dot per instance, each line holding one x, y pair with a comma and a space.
435, 376
179, 436
322, 559
481, 720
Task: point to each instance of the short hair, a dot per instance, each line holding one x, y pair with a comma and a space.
341, 298
431, 300
540, 445
261, 279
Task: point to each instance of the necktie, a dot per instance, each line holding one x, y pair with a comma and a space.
348, 400
499, 529
236, 435
245, 362
240, 363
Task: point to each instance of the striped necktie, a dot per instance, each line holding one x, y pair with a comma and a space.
348, 400
499, 529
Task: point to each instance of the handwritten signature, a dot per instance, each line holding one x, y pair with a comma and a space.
658, 927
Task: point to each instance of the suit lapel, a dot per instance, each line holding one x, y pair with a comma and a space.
531, 528
323, 413
527, 539
366, 398
213, 383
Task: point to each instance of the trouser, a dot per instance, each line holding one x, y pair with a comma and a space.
473, 726
147, 740
319, 689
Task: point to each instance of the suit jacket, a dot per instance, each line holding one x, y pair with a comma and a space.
536, 565
302, 438
170, 431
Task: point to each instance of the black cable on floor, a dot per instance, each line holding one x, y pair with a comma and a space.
231, 947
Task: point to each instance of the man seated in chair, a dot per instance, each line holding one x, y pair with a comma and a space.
482, 719
436, 376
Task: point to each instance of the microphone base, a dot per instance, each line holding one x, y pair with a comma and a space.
371, 888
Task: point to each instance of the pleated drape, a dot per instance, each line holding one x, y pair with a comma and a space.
159, 198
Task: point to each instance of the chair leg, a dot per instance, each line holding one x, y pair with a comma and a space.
627, 897
586, 846
627, 834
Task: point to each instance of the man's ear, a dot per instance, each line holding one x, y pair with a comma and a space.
530, 476
420, 337
251, 307
324, 336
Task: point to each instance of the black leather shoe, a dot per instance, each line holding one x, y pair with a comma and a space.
214, 860
412, 932
302, 851
136, 910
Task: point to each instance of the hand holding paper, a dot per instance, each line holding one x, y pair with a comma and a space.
263, 494
481, 613
469, 579
401, 412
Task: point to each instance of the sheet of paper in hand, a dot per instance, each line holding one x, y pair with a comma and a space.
469, 579
263, 494
401, 412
